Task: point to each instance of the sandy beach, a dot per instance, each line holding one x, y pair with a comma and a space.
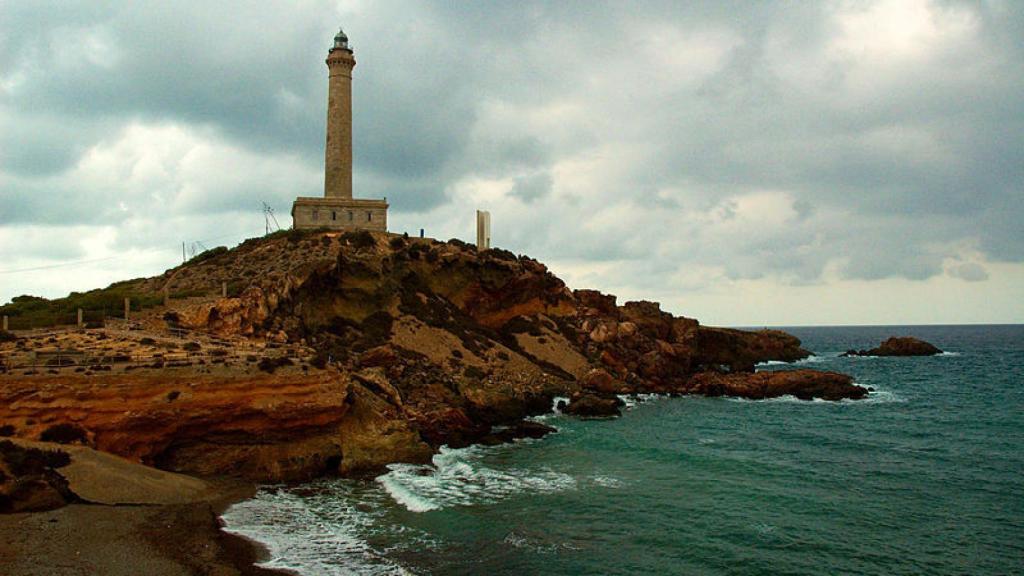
88, 539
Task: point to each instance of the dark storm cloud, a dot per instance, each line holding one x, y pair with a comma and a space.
646, 126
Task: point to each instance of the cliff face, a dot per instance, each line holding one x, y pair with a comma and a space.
280, 426
417, 343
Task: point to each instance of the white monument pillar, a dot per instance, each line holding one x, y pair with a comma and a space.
483, 230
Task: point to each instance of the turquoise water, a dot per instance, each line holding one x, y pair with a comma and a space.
924, 477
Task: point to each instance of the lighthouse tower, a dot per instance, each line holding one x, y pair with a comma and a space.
337, 209
338, 159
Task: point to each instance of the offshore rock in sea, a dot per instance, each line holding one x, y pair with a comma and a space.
803, 384
899, 346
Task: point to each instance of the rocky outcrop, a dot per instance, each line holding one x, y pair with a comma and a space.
586, 405
30, 480
522, 429
803, 384
44, 475
898, 346
271, 427
649, 350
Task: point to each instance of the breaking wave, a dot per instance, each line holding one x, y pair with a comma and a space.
874, 397
458, 477
316, 529
633, 400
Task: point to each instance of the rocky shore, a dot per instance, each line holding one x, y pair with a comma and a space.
345, 352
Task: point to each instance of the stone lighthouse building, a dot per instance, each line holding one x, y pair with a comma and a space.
338, 209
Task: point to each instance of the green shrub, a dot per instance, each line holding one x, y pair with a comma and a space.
236, 288
64, 433
208, 254
34, 312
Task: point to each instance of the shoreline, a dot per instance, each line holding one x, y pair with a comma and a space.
157, 540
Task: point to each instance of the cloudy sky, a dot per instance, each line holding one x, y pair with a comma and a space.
745, 163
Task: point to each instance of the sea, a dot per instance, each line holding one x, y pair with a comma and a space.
925, 476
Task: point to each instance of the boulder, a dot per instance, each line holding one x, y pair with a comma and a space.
587, 405
599, 380
379, 356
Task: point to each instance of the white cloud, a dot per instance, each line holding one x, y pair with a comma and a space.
683, 151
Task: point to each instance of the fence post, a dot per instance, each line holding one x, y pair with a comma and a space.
80, 318
167, 296
5, 323
223, 289
127, 307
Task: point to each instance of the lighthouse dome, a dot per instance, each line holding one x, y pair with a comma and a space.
341, 40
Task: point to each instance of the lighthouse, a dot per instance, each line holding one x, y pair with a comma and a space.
338, 157
338, 209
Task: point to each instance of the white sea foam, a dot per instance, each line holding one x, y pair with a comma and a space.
633, 400
874, 397
317, 532
555, 401
555, 411
947, 354
812, 359
877, 397
406, 496
458, 477
607, 481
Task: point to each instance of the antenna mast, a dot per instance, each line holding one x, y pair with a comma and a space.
268, 218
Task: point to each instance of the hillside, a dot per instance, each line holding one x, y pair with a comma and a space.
344, 352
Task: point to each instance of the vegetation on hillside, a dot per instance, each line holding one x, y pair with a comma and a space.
27, 311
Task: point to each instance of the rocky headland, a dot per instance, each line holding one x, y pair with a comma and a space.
332, 354
340, 353
345, 352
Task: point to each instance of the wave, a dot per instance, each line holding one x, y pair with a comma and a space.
537, 544
314, 530
812, 359
458, 477
874, 397
607, 481
633, 400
